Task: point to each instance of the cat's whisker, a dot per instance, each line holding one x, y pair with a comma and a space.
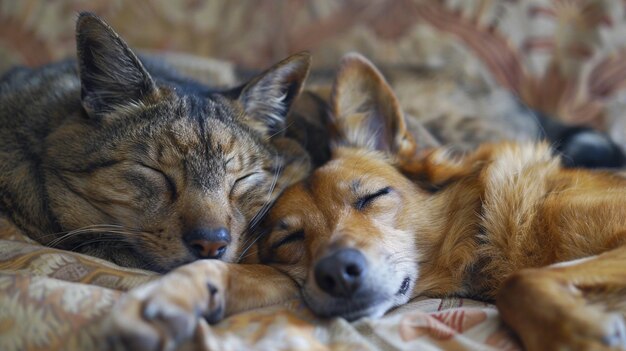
119, 244
268, 202
287, 126
249, 253
269, 199
261, 212
85, 227
100, 228
248, 247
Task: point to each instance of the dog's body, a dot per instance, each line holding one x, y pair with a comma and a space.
384, 221
124, 159
507, 207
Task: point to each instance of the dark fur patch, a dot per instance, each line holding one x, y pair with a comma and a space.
581, 146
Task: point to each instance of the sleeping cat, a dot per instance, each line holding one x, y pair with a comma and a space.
121, 158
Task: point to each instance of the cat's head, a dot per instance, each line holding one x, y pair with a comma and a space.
157, 170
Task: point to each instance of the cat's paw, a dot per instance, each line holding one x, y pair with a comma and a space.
165, 313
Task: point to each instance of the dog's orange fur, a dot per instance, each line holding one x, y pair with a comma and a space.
486, 226
531, 212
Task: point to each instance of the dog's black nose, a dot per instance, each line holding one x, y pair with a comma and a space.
207, 243
341, 273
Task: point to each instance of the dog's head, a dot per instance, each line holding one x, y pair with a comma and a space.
162, 168
347, 233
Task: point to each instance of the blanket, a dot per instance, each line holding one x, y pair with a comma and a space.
58, 300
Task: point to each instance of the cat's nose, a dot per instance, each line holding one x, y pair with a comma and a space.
207, 242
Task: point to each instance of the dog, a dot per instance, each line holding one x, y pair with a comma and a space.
121, 158
384, 221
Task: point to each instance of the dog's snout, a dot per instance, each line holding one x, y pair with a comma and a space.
208, 243
341, 273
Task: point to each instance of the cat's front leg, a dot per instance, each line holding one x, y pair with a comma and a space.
163, 314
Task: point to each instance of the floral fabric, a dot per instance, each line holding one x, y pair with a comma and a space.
57, 300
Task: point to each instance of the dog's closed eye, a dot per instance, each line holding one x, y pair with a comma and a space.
363, 201
293, 237
289, 249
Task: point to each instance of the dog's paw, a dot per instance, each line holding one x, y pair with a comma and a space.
164, 313
604, 331
593, 330
615, 331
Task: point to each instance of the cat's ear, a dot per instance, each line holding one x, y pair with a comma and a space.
266, 99
365, 111
111, 75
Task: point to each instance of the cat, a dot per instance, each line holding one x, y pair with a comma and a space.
121, 158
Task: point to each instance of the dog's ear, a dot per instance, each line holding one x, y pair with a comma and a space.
110, 74
266, 99
365, 111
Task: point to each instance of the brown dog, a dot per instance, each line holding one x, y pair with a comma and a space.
383, 222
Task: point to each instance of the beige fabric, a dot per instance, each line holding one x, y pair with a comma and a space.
54, 300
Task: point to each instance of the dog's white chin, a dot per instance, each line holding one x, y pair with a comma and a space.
379, 310
373, 311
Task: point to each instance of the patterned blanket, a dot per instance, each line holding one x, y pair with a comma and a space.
58, 300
